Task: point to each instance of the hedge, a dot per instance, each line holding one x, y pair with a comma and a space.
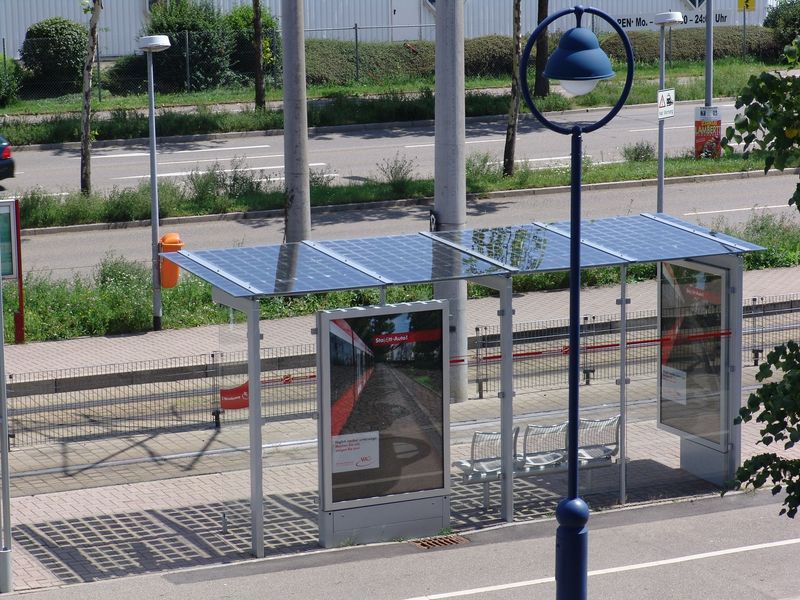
690, 44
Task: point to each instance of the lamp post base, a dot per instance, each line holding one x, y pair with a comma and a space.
572, 549
6, 580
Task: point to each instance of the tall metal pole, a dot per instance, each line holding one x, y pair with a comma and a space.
709, 52
154, 219
6, 578
295, 124
572, 513
450, 188
254, 421
661, 84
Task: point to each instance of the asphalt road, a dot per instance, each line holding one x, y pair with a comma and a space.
709, 549
355, 153
62, 254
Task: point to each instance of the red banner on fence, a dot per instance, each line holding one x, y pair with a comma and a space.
234, 398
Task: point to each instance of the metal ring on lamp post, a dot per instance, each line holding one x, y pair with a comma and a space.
526, 55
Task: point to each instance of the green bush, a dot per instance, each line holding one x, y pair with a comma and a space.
690, 44
784, 18
53, 54
491, 55
128, 75
198, 34
10, 80
239, 22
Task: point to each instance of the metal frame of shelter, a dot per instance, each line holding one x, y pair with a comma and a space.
241, 276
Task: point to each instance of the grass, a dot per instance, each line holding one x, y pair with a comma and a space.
116, 298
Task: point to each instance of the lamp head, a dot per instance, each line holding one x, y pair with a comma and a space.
578, 62
154, 43
668, 18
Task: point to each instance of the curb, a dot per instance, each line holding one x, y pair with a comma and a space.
384, 204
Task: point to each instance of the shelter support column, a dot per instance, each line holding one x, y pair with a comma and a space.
623, 382
251, 308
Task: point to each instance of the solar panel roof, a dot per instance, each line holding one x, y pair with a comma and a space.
322, 266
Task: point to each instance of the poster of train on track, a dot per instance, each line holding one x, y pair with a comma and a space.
383, 390
693, 336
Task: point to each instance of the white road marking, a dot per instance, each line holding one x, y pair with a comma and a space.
162, 152
622, 569
673, 127
202, 160
185, 173
727, 210
431, 145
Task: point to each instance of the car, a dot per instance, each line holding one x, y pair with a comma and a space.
6, 162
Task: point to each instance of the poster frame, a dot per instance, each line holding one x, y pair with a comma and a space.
725, 420
324, 319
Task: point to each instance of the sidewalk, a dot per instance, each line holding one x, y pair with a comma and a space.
96, 510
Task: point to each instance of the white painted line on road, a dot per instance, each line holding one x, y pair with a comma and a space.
467, 142
728, 210
205, 160
675, 127
612, 570
162, 152
185, 173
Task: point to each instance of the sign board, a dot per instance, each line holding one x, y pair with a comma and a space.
748, 5
666, 104
707, 132
694, 346
9, 238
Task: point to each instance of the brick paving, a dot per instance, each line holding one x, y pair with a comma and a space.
108, 508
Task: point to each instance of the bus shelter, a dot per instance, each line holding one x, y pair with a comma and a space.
701, 289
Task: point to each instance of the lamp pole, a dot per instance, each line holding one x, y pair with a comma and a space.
578, 64
150, 44
663, 20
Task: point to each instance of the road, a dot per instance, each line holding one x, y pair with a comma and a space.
705, 203
709, 549
354, 154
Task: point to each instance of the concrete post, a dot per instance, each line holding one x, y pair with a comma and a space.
450, 188
295, 124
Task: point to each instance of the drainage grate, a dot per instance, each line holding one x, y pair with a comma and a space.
440, 541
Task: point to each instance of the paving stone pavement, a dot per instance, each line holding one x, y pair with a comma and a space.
108, 508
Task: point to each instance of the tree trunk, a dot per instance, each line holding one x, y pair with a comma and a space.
541, 86
513, 109
258, 42
86, 116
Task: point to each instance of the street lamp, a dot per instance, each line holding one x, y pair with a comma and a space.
579, 64
150, 44
663, 20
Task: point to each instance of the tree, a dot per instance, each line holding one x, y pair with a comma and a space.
770, 121
513, 109
770, 124
258, 43
95, 7
541, 86
776, 404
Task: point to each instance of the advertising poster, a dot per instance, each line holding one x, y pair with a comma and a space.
386, 387
707, 132
693, 340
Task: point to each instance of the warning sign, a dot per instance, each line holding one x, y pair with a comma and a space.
707, 132
666, 104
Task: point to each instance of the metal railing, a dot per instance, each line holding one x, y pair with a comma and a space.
184, 393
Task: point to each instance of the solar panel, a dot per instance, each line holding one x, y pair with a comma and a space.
321, 266
410, 258
528, 248
287, 269
652, 238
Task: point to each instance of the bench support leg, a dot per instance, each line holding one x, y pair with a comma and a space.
486, 496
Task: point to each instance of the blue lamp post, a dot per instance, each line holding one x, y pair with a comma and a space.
579, 64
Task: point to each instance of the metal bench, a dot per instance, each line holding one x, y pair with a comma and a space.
544, 450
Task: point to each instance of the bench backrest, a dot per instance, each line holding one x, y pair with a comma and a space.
487, 445
599, 433
545, 438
